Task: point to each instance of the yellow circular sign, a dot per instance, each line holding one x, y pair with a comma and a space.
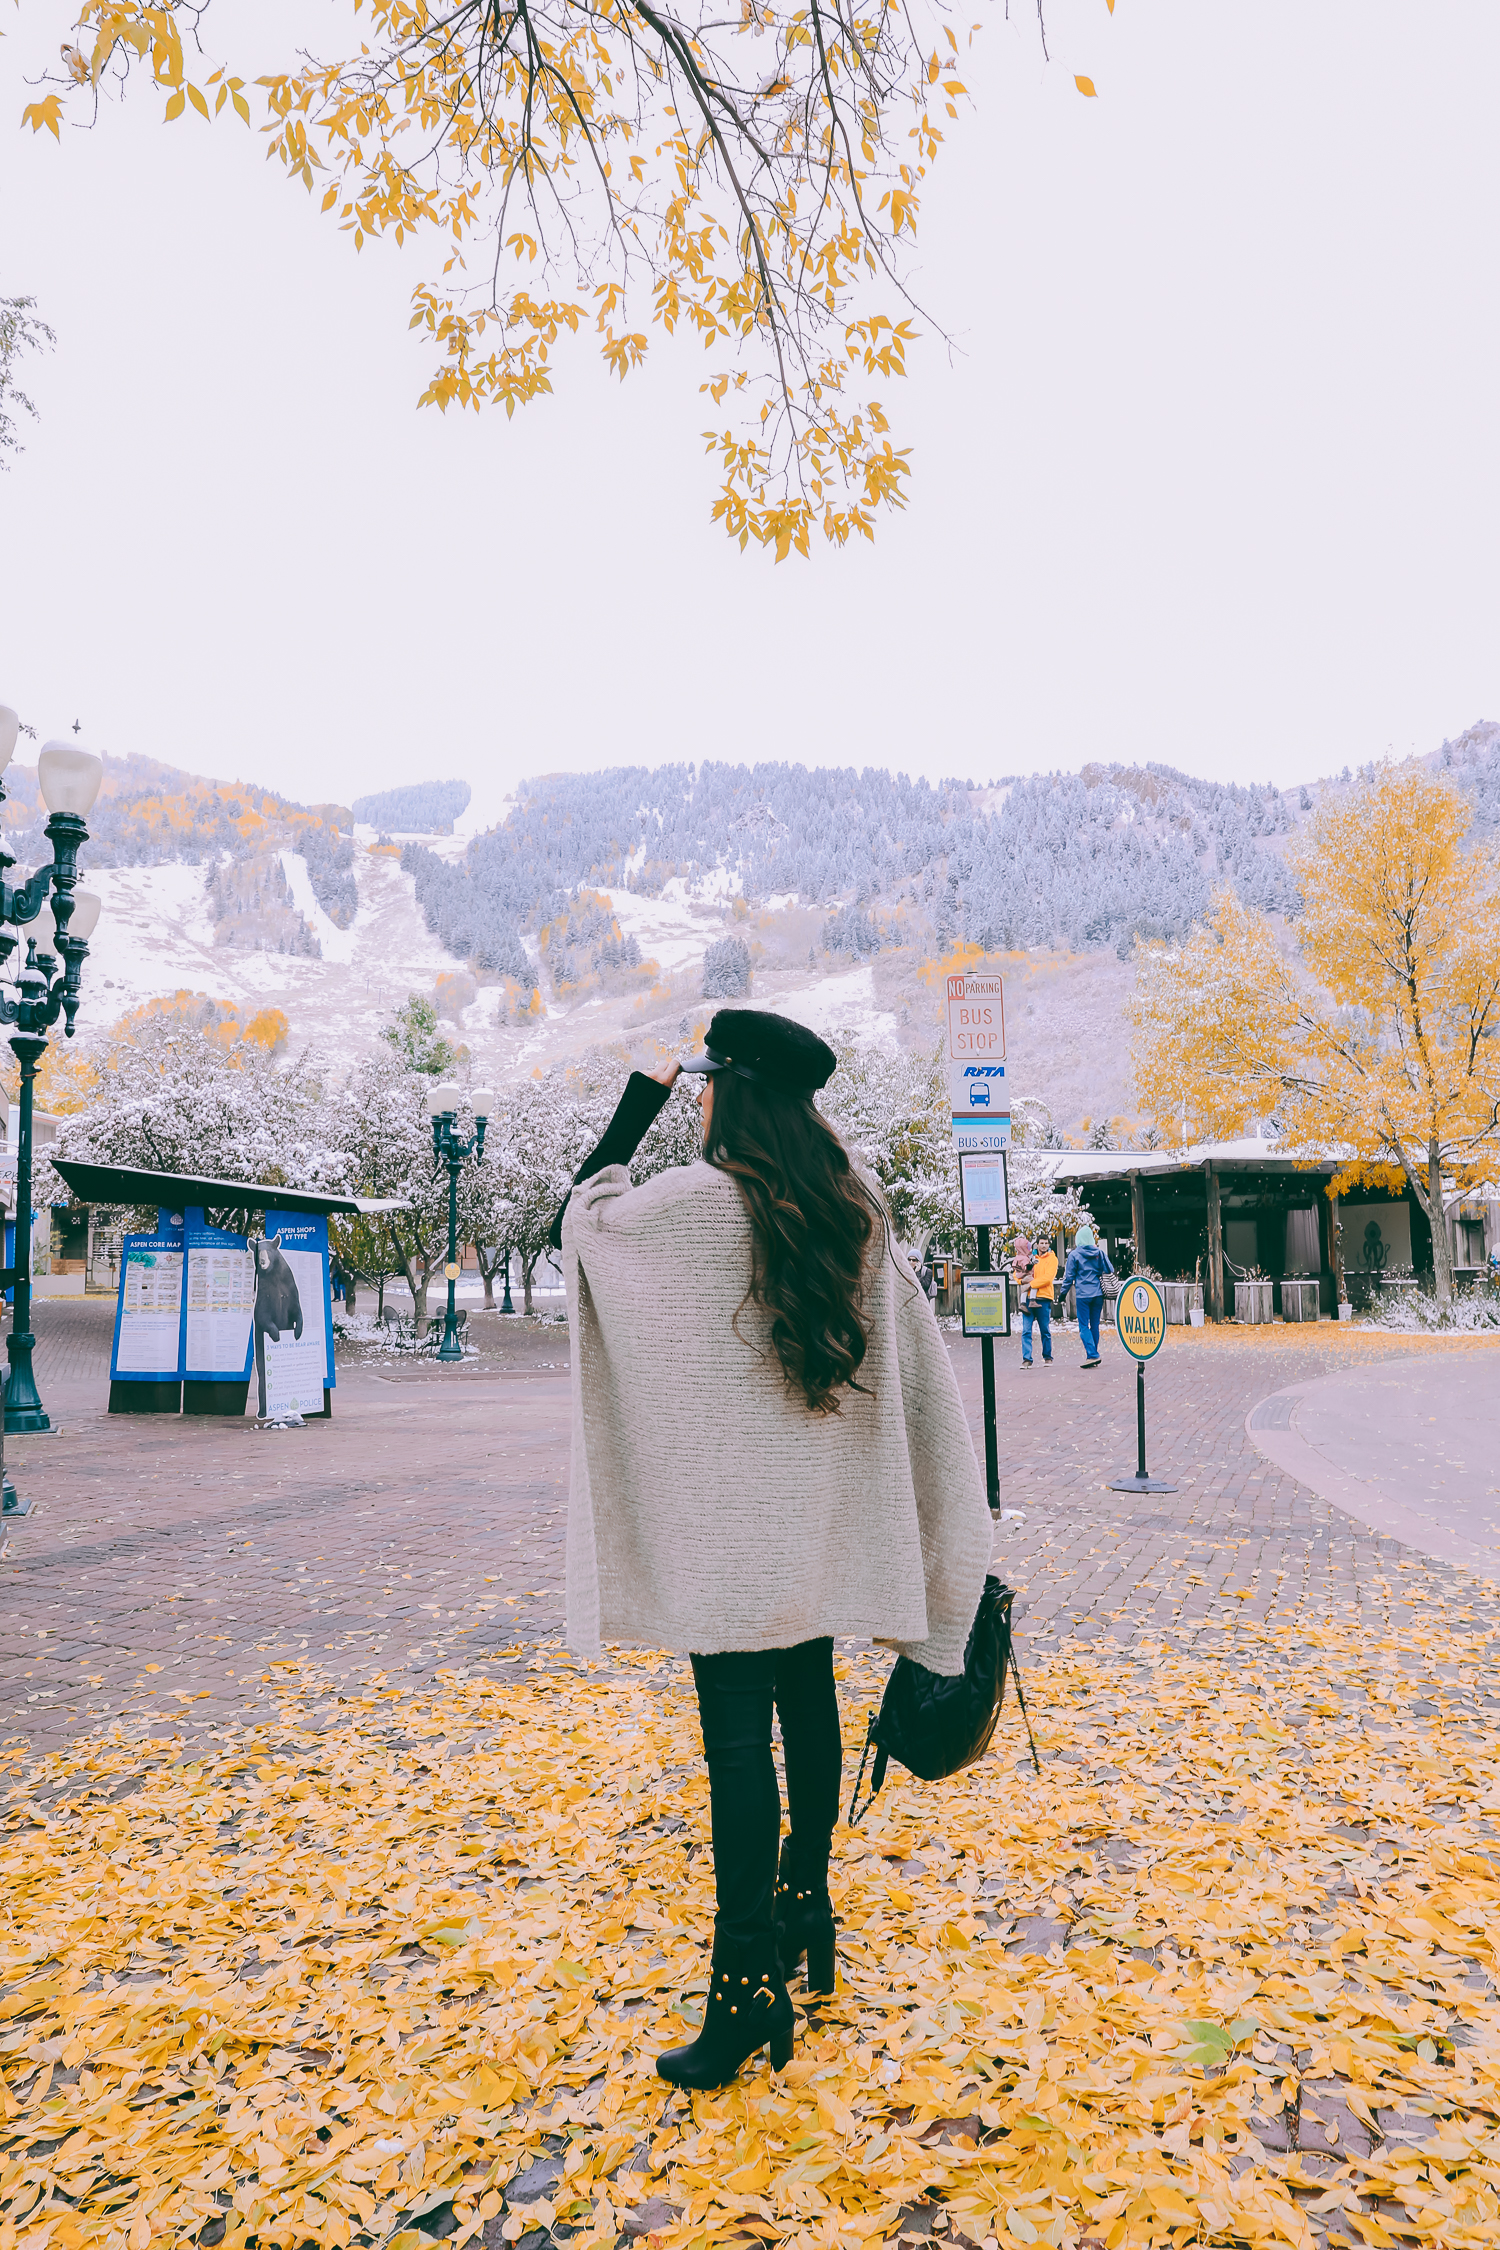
450, 1273
1140, 1318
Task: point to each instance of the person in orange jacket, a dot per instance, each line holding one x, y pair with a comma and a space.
1036, 1299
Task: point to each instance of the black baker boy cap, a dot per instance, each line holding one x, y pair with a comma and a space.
783, 1056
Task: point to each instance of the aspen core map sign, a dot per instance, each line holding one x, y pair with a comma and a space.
976, 1061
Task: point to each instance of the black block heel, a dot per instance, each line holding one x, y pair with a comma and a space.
747, 2008
804, 1923
822, 1975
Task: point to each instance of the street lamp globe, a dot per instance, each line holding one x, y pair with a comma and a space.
86, 910
69, 777
442, 1100
10, 734
482, 1101
43, 929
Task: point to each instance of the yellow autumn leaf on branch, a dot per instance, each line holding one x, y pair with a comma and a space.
45, 113
754, 176
1086, 86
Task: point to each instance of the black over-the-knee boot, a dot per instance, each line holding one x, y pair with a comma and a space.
807, 1706
747, 2006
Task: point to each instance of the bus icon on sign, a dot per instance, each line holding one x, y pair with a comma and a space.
979, 1095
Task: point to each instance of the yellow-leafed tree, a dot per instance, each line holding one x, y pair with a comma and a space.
1377, 1031
752, 175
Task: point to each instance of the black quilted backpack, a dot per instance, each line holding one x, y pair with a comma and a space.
934, 1725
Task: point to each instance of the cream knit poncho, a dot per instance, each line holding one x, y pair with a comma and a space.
708, 1509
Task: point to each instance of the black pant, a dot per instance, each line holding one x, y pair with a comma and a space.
735, 1694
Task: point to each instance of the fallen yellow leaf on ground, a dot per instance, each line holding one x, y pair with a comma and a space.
377, 1957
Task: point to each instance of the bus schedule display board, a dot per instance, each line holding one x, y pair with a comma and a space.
984, 1188
986, 1304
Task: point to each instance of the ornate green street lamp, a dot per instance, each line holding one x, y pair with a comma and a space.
449, 1147
55, 920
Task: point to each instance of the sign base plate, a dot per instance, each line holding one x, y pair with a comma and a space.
1140, 1484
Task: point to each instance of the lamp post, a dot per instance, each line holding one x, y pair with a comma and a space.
507, 1306
449, 1147
56, 920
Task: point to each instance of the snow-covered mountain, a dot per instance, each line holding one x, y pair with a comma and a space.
582, 915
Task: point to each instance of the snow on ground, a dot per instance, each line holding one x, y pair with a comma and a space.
842, 1006
337, 944
667, 929
487, 809
719, 882
155, 938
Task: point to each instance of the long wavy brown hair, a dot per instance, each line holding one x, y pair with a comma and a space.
811, 1222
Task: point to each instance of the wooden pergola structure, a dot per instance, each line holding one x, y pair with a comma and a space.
1177, 1203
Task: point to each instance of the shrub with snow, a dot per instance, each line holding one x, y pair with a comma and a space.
726, 969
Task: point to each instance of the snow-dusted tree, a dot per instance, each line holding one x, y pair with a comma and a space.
726, 969
677, 1135
892, 1109
385, 1130
417, 1039
546, 1129
1036, 1209
169, 1097
486, 1211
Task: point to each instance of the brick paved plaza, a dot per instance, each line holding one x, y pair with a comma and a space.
172, 1562
336, 1641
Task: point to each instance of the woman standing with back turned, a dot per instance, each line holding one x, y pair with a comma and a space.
769, 1450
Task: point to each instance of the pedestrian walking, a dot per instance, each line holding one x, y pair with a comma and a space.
1040, 1276
1084, 1274
769, 1450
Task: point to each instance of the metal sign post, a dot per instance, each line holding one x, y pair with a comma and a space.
1141, 1325
984, 1201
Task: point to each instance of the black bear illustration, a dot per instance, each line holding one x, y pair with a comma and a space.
277, 1304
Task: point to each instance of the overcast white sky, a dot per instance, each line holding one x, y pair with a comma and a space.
1215, 482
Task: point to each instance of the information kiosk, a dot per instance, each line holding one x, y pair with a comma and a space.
210, 1301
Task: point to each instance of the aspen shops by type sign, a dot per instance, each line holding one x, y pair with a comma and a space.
977, 1092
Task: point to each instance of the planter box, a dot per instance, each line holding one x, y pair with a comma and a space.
1397, 1286
1299, 1299
1254, 1302
1180, 1298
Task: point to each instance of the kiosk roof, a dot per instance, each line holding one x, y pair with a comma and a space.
178, 1191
